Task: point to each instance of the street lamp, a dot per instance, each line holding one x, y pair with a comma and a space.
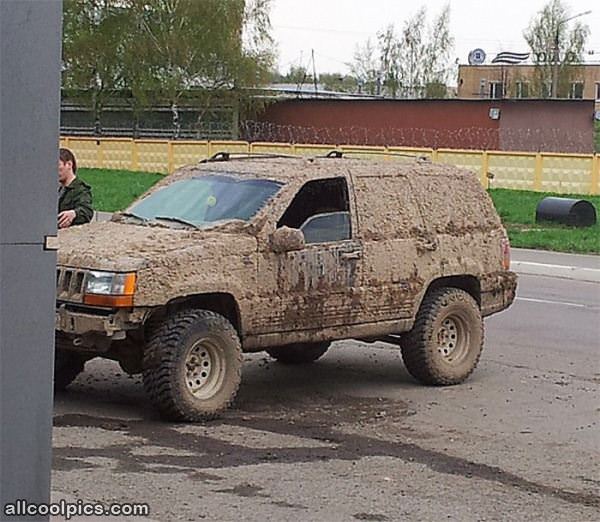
556, 57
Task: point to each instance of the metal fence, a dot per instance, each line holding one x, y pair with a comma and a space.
541, 171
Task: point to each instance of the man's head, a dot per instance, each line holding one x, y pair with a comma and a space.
67, 167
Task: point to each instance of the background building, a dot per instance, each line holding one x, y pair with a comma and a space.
523, 81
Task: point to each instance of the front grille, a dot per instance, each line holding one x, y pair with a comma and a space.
69, 284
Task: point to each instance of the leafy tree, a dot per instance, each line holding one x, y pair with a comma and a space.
165, 49
556, 46
95, 35
338, 82
411, 64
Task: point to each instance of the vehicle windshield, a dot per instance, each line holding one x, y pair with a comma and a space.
205, 200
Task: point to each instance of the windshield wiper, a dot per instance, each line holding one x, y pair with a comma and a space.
177, 220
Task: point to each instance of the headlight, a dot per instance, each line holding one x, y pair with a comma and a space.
109, 289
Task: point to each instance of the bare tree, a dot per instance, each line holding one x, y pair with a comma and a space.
409, 64
365, 68
556, 47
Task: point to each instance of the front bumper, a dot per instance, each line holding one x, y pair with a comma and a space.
79, 320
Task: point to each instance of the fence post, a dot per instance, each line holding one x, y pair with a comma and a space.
434, 155
485, 165
595, 174
538, 174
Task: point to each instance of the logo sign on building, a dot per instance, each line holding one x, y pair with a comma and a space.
476, 57
510, 58
555, 57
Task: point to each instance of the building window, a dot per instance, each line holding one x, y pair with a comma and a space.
522, 89
576, 90
496, 90
598, 92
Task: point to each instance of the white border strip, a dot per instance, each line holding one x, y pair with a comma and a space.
591, 275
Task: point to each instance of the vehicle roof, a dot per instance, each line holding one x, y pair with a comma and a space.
286, 169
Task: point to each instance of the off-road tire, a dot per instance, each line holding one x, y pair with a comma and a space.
175, 348
445, 343
67, 366
299, 353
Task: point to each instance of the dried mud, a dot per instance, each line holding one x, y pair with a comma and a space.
412, 223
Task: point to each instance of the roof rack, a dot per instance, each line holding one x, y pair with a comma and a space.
226, 156
338, 153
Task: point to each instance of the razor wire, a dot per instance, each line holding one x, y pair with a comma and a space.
469, 138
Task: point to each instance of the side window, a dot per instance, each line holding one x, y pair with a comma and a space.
327, 202
324, 228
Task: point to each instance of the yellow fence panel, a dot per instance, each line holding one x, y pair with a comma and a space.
468, 159
228, 146
565, 173
356, 151
86, 151
512, 170
312, 150
153, 156
115, 153
187, 153
551, 172
259, 147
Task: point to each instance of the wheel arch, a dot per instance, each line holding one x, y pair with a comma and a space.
468, 283
222, 303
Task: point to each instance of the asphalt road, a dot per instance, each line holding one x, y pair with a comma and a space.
353, 437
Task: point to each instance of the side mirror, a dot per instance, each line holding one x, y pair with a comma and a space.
287, 239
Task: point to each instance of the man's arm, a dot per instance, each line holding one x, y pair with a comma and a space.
83, 206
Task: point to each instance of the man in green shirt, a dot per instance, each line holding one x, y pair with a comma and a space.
74, 195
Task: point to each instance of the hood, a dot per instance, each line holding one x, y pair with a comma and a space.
126, 247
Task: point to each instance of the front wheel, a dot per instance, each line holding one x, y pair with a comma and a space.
192, 365
299, 353
445, 343
68, 364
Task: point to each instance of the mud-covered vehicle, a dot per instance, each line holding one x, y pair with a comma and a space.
284, 255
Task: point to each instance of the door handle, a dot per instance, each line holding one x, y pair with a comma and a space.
357, 254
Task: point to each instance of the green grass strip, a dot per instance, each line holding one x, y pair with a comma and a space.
517, 211
115, 189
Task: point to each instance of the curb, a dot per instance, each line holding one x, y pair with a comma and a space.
589, 275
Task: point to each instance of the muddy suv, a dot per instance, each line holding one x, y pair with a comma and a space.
284, 255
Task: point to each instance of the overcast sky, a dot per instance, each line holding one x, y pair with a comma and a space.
333, 27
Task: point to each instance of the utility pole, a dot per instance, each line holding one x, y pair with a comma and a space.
30, 39
556, 54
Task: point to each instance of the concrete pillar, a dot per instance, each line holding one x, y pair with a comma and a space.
30, 41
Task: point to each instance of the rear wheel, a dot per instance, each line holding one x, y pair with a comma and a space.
299, 353
192, 365
445, 343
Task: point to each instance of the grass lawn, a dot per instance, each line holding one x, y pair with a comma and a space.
114, 189
517, 210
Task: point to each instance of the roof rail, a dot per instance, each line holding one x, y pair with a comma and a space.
339, 153
226, 156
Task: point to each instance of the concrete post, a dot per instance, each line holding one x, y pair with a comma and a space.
30, 39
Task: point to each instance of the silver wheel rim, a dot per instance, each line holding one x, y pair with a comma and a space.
453, 339
204, 369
